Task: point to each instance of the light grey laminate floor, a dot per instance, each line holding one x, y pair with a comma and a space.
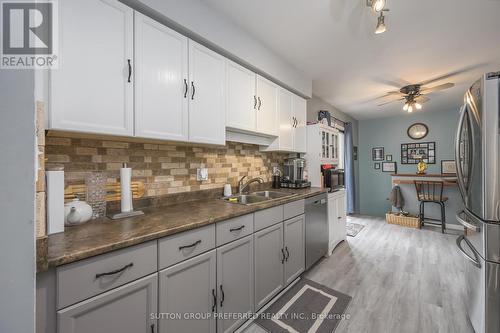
401, 280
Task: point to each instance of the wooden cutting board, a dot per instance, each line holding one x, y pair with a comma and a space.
113, 191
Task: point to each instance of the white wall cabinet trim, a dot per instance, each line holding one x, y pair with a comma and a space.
241, 97
91, 90
161, 81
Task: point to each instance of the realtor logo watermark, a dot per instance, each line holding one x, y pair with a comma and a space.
29, 35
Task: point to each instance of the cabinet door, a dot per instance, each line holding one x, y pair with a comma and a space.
161, 86
235, 283
92, 90
300, 133
188, 288
125, 309
241, 98
294, 248
269, 259
267, 106
207, 111
286, 120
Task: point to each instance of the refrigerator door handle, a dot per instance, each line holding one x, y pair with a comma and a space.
458, 161
466, 223
475, 261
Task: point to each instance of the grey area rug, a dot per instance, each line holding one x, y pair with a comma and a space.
307, 307
353, 229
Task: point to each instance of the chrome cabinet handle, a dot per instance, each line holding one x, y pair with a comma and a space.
185, 88
236, 229
189, 246
287, 254
129, 70
222, 296
193, 89
152, 328
465, 223
214, 299
114, 272
254, 102
283, 256
475, 260
260, 103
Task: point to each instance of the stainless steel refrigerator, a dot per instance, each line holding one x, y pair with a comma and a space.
477, 160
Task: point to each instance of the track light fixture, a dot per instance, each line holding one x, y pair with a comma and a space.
381, 28
378, 6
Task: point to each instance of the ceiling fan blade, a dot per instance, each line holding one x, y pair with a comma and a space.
437, 88
422, 99
395, 100
448, 75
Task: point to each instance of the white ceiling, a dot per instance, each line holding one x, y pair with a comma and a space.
333, 42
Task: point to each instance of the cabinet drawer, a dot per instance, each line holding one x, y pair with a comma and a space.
293, 209
176, 248
268, 217
232, 229
86, 278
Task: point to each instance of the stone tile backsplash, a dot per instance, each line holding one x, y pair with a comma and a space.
164, 168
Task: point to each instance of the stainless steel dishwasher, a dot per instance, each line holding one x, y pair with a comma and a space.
316, 229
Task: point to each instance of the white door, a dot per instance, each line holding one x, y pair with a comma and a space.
300, 132
92, 90
286, 120
207, 112
235, 283
189, 288
161, 81
267, 106
241, 97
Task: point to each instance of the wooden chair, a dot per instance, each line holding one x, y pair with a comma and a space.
431, 191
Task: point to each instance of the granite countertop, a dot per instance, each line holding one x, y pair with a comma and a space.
103, 235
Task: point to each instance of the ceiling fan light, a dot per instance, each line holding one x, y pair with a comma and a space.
378, 5
405, 107
410, 109
381, 28
418, 106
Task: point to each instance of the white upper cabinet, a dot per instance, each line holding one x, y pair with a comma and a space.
300, 129
92, 90
161, 81
241, 97
267, 106
292, 124
207, 103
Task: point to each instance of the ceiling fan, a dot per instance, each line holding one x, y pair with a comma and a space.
414, 95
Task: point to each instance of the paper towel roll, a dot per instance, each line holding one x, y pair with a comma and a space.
126, 190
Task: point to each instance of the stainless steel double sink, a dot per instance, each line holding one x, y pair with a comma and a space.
257, 197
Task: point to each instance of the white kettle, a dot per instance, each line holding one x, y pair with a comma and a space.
76, 212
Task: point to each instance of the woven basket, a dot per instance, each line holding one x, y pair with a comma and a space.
406, 221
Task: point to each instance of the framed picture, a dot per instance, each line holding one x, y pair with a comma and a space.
378, 153
448, 167
388, 158
389, 167
376, 166
411, 153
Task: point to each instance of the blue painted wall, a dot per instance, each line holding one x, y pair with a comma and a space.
390, 133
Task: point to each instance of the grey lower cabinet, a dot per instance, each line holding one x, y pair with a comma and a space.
126, 309
269, 262
235, 283
279, 258
187, 296
295, 249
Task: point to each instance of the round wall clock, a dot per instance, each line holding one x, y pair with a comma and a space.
418, 131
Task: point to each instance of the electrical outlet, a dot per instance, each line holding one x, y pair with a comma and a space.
201, 174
